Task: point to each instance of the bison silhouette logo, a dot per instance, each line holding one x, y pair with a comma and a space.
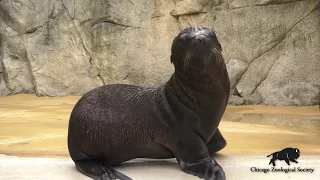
287, 154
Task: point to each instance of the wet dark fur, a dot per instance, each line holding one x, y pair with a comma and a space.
115, 123
287, 154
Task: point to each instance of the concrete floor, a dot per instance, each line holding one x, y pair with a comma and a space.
236, 168
33, 142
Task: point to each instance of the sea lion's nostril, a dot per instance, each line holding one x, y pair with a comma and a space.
200, 38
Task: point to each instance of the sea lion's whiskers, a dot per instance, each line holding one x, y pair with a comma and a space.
218, 55
186, 60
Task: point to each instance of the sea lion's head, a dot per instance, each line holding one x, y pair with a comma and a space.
196, 51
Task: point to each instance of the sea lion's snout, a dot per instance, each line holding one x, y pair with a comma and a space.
198, 50
201, 38
205, 37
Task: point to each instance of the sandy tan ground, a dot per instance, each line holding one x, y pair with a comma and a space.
37, 127
31, 125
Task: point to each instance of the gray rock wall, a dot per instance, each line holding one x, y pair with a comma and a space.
68, 47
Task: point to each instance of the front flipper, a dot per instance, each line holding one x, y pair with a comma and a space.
194, 158
216, 143
207, 169
99, 171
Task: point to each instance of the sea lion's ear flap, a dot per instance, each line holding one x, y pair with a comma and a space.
171, 58
220, 48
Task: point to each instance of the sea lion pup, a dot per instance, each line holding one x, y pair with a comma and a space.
116, 123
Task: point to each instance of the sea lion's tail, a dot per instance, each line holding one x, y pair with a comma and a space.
269, 154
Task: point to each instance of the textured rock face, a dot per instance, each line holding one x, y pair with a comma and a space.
68, 47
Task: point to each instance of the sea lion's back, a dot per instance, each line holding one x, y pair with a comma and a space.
105, 116
106, 100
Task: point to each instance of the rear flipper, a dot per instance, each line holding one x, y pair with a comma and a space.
99, 171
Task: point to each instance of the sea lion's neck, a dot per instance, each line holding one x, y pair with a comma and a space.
191, 92
197, 102
212, 85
